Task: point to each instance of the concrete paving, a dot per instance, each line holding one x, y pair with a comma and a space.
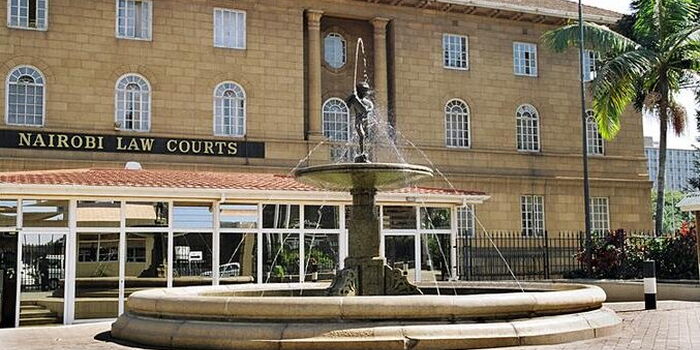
675, 325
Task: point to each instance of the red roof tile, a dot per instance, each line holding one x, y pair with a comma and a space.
181, 179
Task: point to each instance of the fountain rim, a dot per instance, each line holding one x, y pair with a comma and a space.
310, 175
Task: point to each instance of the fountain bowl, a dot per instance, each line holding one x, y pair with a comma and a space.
346, 176
294, 316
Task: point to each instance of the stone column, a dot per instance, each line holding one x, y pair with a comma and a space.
313, 18
380, 67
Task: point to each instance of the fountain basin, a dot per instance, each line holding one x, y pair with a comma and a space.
240, 317
346, 176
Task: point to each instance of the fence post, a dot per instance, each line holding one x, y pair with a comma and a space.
546, 255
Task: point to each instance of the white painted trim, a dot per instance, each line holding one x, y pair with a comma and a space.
245, 28
537, 60
466, 48
216, 245
469, 124
245, 111
43, 95
170, 254
37, 29
502, 5
116, 102
150, 23
18, 270
122, 255
69, 263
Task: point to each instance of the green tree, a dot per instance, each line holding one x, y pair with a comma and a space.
673, 217
645, 64
694, 181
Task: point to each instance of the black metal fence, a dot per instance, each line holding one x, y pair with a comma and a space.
484, 256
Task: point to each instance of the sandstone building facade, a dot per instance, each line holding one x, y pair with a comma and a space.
255, 85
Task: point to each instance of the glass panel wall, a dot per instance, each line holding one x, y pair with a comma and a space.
321, 217
8, 277
280, 216
146, 214
235, 216
435, 218
436, 257
399, 218
98, 214
97, 275
192, 215
280, 257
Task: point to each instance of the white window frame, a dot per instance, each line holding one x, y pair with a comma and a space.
466, 221
344, 50
346, 112
590, 67
600, 215
116, 104
45, 26
217, 116
520, 47
595, 144
520, 138
529, 205
150, 22
7, 97
446, 50
215, 30
452, 142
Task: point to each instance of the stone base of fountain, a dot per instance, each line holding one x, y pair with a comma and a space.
395, 281
285, 316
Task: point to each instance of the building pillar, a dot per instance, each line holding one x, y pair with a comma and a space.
381, 92
313, 25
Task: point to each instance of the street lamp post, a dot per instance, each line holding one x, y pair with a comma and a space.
584, 142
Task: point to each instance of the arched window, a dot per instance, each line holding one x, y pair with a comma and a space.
229, 110
133, 103
457, 124
596, 145
528, 128
335, 50
336, 120
25, 98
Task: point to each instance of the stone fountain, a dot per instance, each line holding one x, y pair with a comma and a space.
369, 305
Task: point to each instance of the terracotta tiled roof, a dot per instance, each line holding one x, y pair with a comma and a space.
179, 179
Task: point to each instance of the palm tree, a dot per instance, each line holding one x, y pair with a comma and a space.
655, 52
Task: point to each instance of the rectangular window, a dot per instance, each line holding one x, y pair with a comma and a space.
455, 50
525, 59
532, 215
27, 14
600, 216
465, 221
229, 28
134, 19
595, 142
590, 59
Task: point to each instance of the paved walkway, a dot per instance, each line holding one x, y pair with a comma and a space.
675, 325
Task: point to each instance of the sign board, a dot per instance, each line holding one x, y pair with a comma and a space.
31, 139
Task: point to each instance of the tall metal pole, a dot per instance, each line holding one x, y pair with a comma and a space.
584, 142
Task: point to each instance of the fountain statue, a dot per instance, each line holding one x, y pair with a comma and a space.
366, 271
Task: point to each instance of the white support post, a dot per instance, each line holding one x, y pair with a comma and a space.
20, 224
382, 237
342, 239
302, 249
69, 283
216, 247
418, 261
122, 254
453, 244
169, 269
259, 239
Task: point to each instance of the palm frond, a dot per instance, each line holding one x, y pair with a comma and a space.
596, 37
617, 86
658, 19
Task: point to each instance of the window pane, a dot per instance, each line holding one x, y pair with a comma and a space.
322, 256
436, 255
192, 215
399, 217
98, 214
321, 217
8, 213
280, 257
401, 254
45, 213
280, 216
435, 218
238, 215
238, 257
146, 260
192, 258
146, 214
43, 269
